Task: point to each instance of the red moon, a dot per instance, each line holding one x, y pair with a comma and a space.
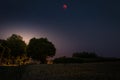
65, 6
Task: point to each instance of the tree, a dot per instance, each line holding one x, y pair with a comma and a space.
7, 50
85, 55
4, 50
16, 45
40, 49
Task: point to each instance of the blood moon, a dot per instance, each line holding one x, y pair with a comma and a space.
65, 6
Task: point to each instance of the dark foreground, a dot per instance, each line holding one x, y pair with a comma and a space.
86, 71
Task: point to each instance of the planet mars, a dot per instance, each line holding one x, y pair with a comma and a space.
65, 6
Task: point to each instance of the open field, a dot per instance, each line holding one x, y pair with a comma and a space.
86, 71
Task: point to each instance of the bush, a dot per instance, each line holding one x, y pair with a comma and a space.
67, 60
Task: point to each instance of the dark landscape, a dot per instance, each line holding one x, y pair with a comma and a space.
85, 71
59, 39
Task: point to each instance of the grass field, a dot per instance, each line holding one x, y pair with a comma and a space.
86, 71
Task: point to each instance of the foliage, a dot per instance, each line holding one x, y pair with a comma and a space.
22, 60
67, 60
4, 48
17, 45
4, 51
40, 49
79, 57
1, 49
11, 49
85, 55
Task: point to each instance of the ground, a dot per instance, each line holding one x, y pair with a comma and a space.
85, 71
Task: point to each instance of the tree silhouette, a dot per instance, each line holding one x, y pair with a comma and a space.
40, 49
17, 45
4, 50
85, 55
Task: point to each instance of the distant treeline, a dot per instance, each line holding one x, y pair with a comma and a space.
84, 57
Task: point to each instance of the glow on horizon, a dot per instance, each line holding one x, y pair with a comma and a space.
30, 31
26, 35
24, 31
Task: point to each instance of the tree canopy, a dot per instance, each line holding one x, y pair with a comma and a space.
14, 48
17, 45
85, 54
4, 48
40, 49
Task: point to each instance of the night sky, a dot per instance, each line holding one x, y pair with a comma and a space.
72, 25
